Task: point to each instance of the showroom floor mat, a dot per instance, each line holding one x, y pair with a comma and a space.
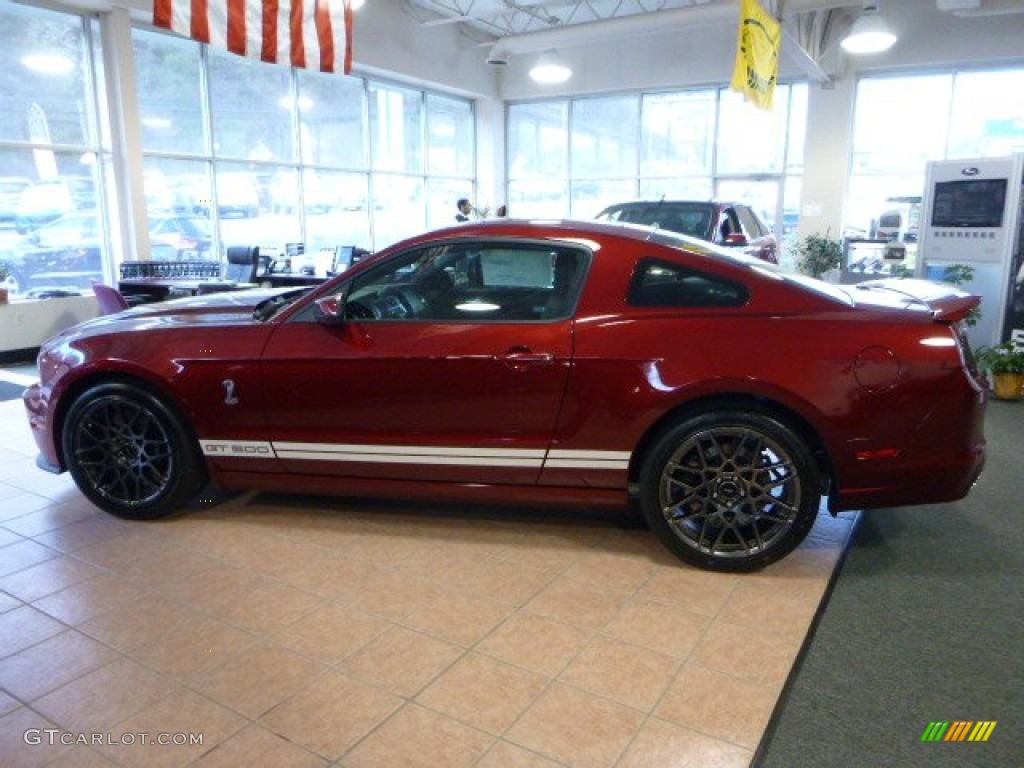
925, 624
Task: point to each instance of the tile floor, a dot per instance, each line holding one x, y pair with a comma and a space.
326, 632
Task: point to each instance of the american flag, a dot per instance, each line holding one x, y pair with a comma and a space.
302, 33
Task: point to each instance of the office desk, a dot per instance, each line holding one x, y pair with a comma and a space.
284, 280
161, 288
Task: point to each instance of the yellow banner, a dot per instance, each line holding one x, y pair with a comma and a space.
757, 54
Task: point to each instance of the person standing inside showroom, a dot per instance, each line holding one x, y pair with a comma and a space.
465, 208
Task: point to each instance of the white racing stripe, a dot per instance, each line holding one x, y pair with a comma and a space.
419, 454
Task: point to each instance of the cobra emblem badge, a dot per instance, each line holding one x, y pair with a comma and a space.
229, 392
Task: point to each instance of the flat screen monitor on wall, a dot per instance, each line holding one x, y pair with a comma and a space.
972, 203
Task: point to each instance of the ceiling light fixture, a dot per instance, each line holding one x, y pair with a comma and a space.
869, 33
550, 70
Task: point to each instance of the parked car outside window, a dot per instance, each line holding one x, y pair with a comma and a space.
734, 225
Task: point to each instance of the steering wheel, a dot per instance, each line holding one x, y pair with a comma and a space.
393, 303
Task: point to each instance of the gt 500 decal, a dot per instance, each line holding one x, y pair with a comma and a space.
238, 449
414, 454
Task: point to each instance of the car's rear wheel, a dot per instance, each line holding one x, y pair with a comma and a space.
129, 453
730, 490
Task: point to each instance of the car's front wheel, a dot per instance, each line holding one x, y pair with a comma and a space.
129, 453
730, 490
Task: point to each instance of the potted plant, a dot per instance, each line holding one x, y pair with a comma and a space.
1004, 363
819, 254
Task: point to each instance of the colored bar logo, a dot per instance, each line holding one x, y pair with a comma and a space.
958, 730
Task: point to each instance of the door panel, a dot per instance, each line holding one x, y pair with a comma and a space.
459, 402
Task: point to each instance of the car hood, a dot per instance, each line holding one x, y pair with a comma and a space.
215, 309
944, 302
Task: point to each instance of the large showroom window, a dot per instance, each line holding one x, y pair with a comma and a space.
53, 158
576, 156
265, 155
902, 122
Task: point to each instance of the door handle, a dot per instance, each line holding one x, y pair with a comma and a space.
519, 358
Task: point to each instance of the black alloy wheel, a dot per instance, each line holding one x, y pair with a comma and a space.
730, 490
129, 453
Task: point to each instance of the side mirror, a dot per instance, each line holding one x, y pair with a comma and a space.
330, 309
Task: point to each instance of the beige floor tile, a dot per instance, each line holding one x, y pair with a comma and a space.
331, 715
211, 588
576, 728
19, 502
9, 537
329, 574
719, 705
504, 582
418, 738
89, 598
48, 577
255, 746
139, 623
578, 602
182, 712
484, 692
9, 602
47, 519
624, 562
458, 618
535, 643
657, 626
659, 744
7, 703
392, 594
83, 757
330, 633
269, 607
50, 664
726, 647
626, 673
256, 679
104, 697
194, 648
176, 564
30, 746
23, 554
505, 755
694, 589
111, 543
760, 604
23, 627
402, 661
83, 534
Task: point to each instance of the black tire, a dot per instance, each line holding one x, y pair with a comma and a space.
730, 490
129, 453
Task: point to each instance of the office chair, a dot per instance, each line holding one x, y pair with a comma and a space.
242, 261
111, 300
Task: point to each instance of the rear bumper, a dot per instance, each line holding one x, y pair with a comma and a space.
938, 462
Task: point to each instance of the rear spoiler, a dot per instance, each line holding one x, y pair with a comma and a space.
947, 303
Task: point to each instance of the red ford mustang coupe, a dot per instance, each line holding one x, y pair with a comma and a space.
546, 362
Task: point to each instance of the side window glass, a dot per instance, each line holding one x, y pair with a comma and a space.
659, 283
748, 221
471, 282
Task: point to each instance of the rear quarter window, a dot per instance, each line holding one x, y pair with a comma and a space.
659, 283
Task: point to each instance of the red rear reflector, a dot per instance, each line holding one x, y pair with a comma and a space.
878, 453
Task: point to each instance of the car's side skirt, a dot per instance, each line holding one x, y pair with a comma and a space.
435, 491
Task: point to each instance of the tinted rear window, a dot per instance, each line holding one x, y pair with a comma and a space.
660, 283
